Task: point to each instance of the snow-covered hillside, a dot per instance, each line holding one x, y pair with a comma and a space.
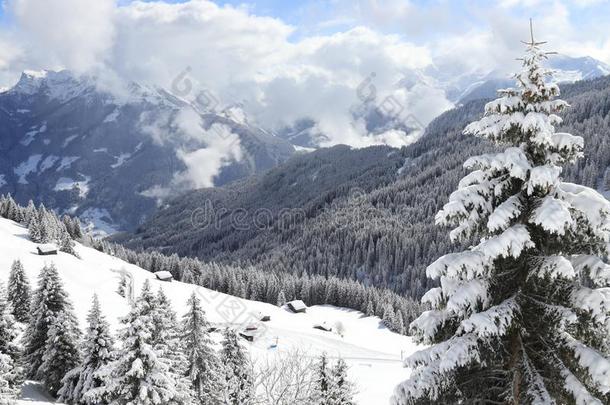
372, 352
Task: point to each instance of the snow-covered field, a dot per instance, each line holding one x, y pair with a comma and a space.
372, 352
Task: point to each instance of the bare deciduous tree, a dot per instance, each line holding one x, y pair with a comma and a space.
285, 379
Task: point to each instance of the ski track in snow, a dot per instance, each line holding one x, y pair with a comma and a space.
372, 352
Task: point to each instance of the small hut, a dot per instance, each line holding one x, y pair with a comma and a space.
323, 327
259, 316
164, 276
297, 306
251, 327
46, 249
248, 335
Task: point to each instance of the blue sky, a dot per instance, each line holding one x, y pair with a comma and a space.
326, 16
440, 17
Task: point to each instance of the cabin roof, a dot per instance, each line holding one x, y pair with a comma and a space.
323, 325
259, 315
297, 305
163, 275
47, 247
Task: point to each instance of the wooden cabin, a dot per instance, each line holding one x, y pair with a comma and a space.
47, 249
248, 335
297, 306
259, 316
323, 326
164, 276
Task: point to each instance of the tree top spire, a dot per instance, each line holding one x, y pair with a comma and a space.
532, 42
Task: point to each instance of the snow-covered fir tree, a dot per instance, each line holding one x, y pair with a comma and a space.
82, 385
281, 299
29, 213
341, 390
66, 244
522, 317
238, 379
48, 301
19, 292
204, 370
166, 341
35, 230
73, 226
331, 386
8, 328
44, 226
8, 389
11, 373
322, 381
140, 375
11, 210
62, 350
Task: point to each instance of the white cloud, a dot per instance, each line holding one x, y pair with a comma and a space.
72, 33
255, 61
222, 147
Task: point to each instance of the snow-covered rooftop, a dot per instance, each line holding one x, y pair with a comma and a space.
164, 275
47, 247
297, 305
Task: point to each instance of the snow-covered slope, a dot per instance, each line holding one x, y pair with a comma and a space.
372, 352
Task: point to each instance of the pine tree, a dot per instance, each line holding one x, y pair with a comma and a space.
281, 299
524, 313
29, 213
42, 226
61, 352
140, 375
8, 387
83, 384
166, 341
323, 382
66, 244
203, 365
19, 292
238, 380
341, 390
389, 317
48, 301
77, 231
35, 231
8, 328
400, 323
370, 310
12, 210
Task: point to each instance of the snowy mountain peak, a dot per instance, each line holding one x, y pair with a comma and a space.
583, 68
59, 85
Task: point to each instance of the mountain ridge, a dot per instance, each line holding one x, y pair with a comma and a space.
84, 151
383, 233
